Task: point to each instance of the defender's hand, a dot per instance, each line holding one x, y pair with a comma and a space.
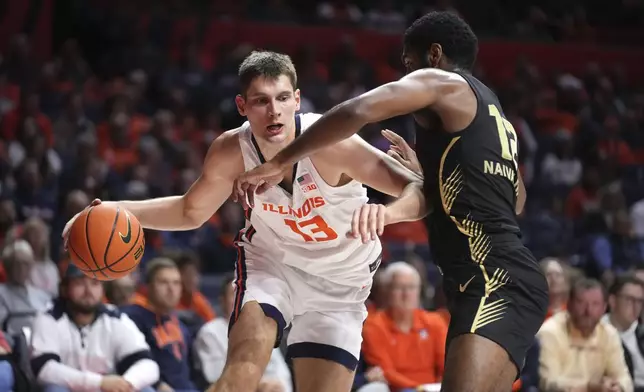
69, 224
257, 180
368, 222
402, 152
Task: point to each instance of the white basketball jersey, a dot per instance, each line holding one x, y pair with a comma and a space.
308, 229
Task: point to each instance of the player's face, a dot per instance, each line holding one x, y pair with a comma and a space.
270, 106
626, 306
404, 292
587, 308
165, 288
84, 293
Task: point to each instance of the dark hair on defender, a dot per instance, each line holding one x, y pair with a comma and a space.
455, 36
270, 65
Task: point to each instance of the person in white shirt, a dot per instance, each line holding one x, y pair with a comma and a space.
626, 299
83, 345
211, 346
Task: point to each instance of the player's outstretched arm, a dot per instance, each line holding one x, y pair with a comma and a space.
370, 166
222, 165
413, 92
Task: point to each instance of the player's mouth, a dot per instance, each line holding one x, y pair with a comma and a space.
274, 129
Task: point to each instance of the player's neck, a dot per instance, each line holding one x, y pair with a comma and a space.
269, 150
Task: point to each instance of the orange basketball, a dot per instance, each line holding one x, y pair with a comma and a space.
106, 242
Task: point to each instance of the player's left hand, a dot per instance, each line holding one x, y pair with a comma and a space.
257, 180
368, 222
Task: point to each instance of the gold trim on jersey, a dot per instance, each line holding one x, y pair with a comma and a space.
479, 244
488, 313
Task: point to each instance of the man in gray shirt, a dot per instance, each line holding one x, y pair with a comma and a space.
19, 300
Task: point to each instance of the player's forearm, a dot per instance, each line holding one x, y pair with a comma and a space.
521, 199
339, 123
410, 206
164, 213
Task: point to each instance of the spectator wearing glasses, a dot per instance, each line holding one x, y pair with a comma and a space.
626, 299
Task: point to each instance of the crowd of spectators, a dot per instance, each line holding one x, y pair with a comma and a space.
127, 107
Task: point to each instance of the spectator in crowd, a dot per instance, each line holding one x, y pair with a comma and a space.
6, 369
191, 298
19, 299
44, 274
155, 316
120, 292
578, 352
405, 342
211, 346
558, 285
626, 300
82, 344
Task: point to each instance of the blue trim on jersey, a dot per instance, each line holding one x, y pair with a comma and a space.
298, 131
322, 351
240, 280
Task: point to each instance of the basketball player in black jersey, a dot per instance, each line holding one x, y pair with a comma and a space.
496, 294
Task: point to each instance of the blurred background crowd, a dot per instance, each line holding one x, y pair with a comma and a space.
120, 100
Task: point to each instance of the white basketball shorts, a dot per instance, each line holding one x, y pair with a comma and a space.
326, 318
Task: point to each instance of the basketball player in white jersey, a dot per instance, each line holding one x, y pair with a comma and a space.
299, 261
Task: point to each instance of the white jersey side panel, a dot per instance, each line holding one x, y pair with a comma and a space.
308, 230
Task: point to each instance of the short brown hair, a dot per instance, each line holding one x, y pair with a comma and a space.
265, 64
156, 265
581, 285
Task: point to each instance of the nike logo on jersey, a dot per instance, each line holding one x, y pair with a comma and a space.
128, 236
463, 287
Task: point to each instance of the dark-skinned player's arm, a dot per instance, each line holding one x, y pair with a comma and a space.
223, 163
413, 92
521, 198
370, 166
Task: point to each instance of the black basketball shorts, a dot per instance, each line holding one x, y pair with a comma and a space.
504, 299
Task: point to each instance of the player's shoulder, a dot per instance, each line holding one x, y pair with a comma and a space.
307, 119
226, 149
228, 139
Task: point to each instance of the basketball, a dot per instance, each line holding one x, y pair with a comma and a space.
106, 242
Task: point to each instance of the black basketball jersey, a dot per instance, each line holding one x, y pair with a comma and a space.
472, 182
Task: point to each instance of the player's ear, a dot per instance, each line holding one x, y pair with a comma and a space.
296, 94
241, 105
434, 55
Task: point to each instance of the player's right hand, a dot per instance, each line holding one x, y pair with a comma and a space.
402, 152
112, 383
69, 223
368, 222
